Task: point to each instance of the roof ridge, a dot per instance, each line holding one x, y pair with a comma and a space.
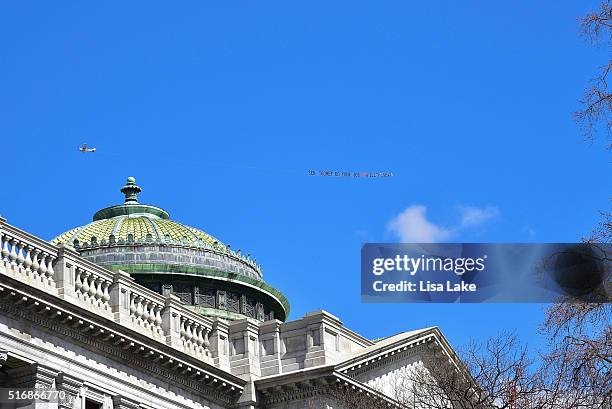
154, 227
117, 225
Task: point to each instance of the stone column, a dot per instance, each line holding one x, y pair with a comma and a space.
71, 388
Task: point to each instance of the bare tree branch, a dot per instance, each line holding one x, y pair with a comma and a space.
597, 101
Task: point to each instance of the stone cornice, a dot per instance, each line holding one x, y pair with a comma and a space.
430, 341
308, 384
386, 359
112, 340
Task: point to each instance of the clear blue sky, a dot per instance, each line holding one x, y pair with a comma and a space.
219, 110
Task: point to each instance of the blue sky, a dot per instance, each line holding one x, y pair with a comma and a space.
219, 111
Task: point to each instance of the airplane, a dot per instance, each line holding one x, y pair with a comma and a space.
84, 148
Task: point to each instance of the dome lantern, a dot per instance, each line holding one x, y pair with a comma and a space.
131, 190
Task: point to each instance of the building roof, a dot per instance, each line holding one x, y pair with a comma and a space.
135, 222
137, 227
388, 341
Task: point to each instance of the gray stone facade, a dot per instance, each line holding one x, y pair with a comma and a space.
69, 324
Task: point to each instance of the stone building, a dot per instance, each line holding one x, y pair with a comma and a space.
134, 310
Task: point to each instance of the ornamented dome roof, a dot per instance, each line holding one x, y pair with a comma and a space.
137, 228
135, 222
160, 253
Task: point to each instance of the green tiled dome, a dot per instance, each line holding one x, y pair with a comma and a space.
137, 223
136, 228
165, 255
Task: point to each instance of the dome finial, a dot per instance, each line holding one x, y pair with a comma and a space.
131, 190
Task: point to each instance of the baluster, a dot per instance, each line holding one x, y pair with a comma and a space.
151, 317
78, 284
85, 287
199, 337
42, 268
50, 271
28, 260
35, 264
13, 253
194, 336
20, 258
188, 334
92, 288
5, 249
194, 333
99, 292
139, 311
105, 294
145, 313
206, 341
132, 304
183, 329
158, 319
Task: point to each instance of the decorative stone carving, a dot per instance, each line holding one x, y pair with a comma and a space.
80, 332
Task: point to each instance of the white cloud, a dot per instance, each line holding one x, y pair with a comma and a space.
476, 216
412, 226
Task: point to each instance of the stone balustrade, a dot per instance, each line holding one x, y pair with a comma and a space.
27, 258
62, 272
83, 283
187, 331
194, 336
145, 311
92, 288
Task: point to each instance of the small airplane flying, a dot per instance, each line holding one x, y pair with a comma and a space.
85, 149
